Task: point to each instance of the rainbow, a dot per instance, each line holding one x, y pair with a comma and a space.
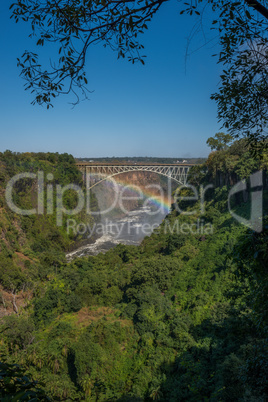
162, 202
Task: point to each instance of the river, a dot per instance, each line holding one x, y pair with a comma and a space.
130, 229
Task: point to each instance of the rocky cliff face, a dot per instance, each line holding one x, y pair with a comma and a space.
128, 191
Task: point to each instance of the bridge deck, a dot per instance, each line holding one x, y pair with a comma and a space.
107, 164
175, 171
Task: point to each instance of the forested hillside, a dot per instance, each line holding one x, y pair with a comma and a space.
182, 317
33, 246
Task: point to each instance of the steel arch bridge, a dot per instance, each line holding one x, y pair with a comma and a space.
176, 172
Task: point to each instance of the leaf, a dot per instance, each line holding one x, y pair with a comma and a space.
248, 14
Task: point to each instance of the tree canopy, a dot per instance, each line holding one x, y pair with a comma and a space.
74, 25
219, 142
182, 317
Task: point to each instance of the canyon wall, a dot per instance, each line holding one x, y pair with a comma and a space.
128, 191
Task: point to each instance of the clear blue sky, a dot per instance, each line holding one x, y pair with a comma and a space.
160, 109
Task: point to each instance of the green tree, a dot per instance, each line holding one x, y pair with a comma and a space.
220, 141
15, 385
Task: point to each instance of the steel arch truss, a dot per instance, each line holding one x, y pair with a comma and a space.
177, 173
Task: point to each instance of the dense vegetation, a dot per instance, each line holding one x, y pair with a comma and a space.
33, 246
182, 317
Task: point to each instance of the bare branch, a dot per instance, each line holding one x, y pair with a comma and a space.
258, 7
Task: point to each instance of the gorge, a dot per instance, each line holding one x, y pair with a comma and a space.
130, 208
180, 317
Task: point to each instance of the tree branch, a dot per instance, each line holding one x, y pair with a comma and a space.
258, 7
